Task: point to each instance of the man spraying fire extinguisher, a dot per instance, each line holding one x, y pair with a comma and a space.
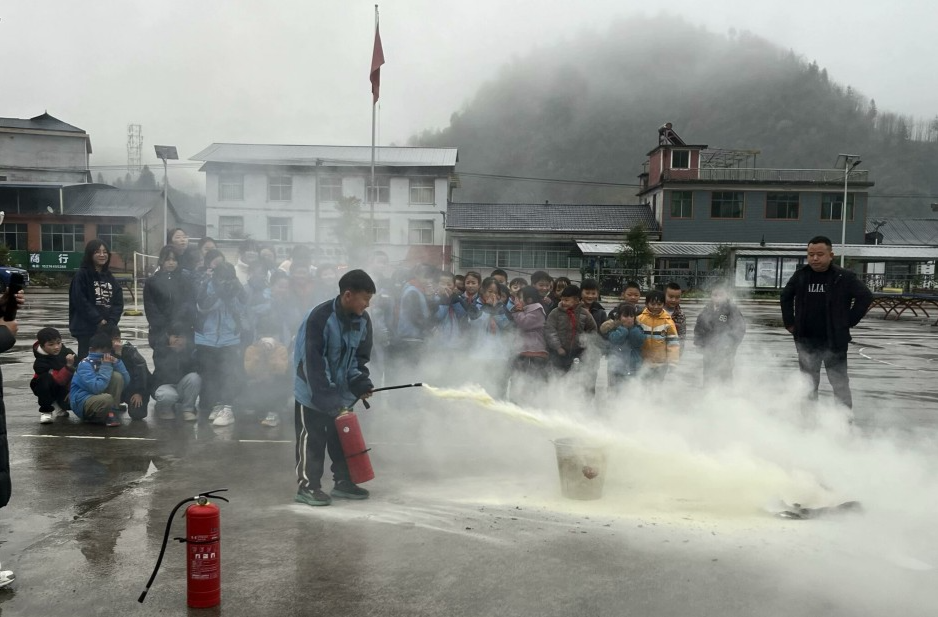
333, 346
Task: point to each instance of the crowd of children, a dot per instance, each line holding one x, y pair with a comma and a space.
222, 335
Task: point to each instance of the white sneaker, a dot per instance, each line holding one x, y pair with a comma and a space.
271, 419
59, 412
45, 418
224, 417
215, 411
6, 577
189, 416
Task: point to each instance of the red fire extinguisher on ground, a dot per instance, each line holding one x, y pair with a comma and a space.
203, 550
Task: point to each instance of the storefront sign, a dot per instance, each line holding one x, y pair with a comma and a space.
46, 260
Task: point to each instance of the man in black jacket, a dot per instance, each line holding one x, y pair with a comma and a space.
820, 303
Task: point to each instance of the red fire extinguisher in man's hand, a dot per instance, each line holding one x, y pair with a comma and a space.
203, 550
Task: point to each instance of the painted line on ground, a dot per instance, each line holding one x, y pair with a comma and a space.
91, 437
147, 438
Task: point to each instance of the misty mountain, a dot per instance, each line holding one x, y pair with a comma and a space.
589, 108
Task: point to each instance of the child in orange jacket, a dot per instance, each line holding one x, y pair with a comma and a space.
662, 348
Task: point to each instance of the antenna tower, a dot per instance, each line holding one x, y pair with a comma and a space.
134, 148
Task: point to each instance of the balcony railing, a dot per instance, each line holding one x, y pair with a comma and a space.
758, 174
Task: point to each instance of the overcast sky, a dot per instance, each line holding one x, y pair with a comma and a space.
296, 71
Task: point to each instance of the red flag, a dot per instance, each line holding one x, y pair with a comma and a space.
377, 59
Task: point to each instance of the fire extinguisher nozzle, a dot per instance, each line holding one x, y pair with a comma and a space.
142, 596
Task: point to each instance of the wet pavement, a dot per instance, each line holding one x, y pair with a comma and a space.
466, 516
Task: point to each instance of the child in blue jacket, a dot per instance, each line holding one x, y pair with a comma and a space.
625, 344
99, 383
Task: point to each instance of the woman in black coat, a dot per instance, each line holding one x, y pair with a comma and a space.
94, 298
188, 256
168, 298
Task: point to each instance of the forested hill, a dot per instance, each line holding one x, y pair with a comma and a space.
588, 108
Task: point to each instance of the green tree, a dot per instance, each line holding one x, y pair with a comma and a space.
352, 229
636, 254
720, 258
4, 255
146, 179
100, 178
125, 245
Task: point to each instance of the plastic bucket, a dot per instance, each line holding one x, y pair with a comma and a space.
582, 467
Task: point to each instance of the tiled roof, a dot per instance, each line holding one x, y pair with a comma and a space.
906, 231
45, 122
101, 200
331, 156
548, 217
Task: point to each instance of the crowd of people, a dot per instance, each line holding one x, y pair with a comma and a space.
222, 334
261, 336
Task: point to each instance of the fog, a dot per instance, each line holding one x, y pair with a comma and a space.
296, 72
688, 470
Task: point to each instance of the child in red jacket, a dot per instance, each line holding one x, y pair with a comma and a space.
52, 374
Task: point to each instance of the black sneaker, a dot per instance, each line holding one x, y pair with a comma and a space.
347, 490
313, 497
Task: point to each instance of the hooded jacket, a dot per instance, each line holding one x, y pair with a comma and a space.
719, 327
168, 297
93, 296
848, 299
56, 365
530, 322
624, 355
220, 319
170, 365
662, 345
92, 377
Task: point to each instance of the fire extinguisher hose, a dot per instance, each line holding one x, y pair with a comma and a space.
201, 497
406, 385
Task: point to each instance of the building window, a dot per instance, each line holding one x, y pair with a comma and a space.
107, 234
832, 206
726, 205
381, 231
330, 188
230, 187
420, 232
682, 204
381, 190
421, 191
62, 237
13, 236
680, 159
280, 188
280, 229
230, 227
781, 206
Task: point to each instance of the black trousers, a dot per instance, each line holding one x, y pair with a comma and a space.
811, 355
315, 433
222, 373
49, 392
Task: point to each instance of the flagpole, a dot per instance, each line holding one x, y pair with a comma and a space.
374, 106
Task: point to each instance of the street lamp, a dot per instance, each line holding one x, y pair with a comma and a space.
850, 161
166, 153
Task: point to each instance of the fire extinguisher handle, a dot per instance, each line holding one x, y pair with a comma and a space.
213, 495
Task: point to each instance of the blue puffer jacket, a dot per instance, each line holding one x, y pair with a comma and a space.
332, 349
92, 377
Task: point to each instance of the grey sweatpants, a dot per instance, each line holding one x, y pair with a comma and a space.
182, 394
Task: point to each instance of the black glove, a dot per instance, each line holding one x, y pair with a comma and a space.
360, 386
